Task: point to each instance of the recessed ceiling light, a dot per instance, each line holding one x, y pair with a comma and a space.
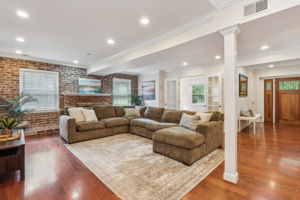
185, 63
144, 21
271, 66
217, 57
20, 39
75, 61
19, 52
264, 47
22, 14
110, 41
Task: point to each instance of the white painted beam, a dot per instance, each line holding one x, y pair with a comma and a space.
224, 18
230, 102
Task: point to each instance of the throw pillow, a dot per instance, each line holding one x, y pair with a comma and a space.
189, 121
204, 117
247, 113
132, 112
77, 114
89, 115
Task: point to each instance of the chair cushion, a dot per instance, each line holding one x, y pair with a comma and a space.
115, 122
119, 110
180, 137
86, 126
104, 111
154, 113
171, 116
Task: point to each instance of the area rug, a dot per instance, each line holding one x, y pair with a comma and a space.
129, 167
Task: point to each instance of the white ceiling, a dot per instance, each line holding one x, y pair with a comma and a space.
279, 31
63, 31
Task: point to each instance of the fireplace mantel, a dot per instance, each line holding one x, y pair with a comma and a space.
80, 94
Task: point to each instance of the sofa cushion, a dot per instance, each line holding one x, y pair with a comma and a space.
216, 116
115, 122
180, 137
119, 110
104, 111
154, 113
86, 126
171, 116
155, 126
204, 116
141, 122
142, 111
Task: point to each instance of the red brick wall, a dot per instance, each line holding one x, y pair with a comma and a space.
68, 82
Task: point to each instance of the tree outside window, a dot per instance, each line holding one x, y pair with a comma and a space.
198, 94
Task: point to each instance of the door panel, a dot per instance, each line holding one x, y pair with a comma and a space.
268, 100
171, 94
288, 99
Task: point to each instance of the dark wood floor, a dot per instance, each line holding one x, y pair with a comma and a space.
268, 165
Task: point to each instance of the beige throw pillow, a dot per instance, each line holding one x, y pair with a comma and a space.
132, 112
77, 114
89, 115
189, 121
204, 117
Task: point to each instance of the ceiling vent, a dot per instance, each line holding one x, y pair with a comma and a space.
256, 7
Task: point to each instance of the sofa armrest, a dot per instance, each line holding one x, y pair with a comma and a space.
213, 132
67, 127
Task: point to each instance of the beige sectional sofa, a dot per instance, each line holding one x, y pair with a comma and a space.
159, 124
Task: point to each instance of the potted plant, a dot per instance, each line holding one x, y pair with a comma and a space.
7, 125
137, 100
14, 105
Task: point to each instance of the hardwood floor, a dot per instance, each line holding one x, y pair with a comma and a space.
268, 165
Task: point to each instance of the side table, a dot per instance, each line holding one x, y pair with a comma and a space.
12, 156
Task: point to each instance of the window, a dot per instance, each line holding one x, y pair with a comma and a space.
198, 94
43, 86
121, 92
289, 85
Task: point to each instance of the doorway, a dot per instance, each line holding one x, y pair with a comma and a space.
288, 100
268, 100
282, 102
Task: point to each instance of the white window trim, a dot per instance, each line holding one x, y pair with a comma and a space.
196, 84
41, 71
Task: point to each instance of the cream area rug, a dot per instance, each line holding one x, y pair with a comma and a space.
129, 167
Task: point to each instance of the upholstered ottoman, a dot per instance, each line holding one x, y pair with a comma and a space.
180, 144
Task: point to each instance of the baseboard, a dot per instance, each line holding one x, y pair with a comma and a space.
233, 178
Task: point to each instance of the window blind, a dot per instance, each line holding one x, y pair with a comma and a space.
43, 86
121, 92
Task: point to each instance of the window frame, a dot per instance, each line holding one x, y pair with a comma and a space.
45, 72
204, 93
122, 80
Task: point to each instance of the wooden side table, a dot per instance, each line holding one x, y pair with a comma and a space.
12, 156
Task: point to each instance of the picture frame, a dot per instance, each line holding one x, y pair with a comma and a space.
243, 85
148, 90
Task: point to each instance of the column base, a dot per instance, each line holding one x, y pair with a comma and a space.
233, 178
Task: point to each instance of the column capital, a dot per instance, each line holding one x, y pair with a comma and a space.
235, 29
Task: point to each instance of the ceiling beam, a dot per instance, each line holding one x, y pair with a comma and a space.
224, 18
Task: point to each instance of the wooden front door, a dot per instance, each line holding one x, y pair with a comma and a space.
288, 100
268, 100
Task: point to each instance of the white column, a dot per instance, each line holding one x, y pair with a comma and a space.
230, 102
